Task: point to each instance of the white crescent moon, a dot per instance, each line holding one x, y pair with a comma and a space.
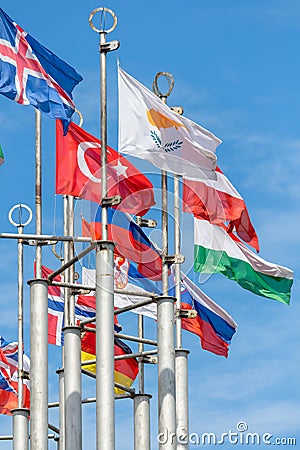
82, 164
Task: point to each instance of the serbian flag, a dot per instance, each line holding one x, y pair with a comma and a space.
30, 74
78, 172
130, 241
9, 377
218, 202
126, 370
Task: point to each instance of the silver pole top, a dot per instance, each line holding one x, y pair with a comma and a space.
103, 12
170, 79
20, 223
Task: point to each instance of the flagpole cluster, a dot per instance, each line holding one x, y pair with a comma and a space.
132, 273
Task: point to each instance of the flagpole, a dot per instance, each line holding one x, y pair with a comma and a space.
181, 355
165, 321
72, 347
38, 189
105, 397
38, 322
20, 414
141, 401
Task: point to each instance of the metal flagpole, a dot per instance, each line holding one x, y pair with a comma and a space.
105, 408
38, 325
181, 355
21, 414
141, 400
72, 348
38, 189
165, 321
61, 442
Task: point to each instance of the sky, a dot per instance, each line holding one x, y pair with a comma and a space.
236, 73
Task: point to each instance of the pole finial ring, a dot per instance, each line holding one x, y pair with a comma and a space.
170, 79
80, 117
102, 20
21, 223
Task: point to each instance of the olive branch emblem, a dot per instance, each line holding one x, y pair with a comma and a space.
168, 146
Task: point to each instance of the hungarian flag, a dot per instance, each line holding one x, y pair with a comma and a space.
216, 251
218, 202
78, 172
150, 130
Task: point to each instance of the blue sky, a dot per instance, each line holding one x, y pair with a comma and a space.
236, 73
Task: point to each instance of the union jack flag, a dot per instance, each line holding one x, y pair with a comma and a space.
9, 377
30, 74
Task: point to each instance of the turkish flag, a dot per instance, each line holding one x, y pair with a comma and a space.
78, 172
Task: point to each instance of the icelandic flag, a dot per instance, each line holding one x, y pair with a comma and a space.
30, 74
130, 240
9, 377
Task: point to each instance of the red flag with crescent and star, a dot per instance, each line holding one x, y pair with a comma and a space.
78, 172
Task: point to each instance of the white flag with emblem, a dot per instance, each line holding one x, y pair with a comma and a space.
150, 130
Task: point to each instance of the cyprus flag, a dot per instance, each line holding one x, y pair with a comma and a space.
150, 130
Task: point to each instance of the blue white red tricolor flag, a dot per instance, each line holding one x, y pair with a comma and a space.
9, 379
213, 324
30, 74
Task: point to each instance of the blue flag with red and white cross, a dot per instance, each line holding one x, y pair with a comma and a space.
30, 74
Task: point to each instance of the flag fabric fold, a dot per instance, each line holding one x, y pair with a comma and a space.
78, 172
216, 251
148, 129
33, 75
218, 202
9, 377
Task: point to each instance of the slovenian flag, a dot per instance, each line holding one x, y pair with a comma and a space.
216, 251
213, 324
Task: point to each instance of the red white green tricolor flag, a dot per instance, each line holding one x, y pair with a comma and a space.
1, 156
218, 252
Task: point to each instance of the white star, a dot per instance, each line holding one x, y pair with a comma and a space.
120, 169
